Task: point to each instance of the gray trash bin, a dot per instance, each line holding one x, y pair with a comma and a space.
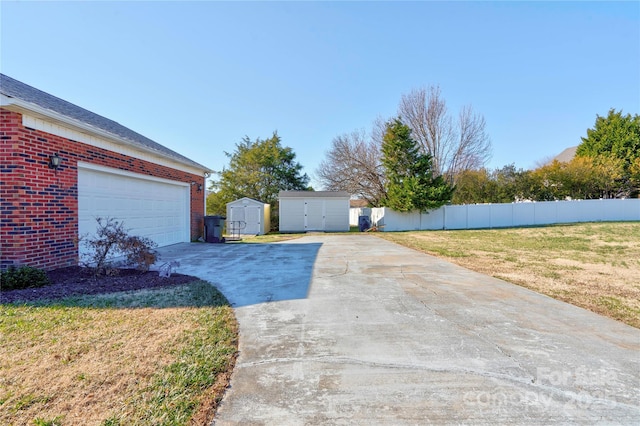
213, 226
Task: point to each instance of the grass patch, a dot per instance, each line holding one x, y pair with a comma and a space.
159, 356
56, 421
592, 265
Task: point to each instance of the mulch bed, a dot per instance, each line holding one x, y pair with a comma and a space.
76, 281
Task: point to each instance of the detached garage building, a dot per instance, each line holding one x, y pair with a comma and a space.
248, 217
105, 170
303, 211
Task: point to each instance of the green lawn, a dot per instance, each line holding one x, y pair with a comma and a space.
160, 356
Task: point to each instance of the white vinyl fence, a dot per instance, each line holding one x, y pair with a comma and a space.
475, 216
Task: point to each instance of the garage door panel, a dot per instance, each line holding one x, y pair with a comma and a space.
149, 208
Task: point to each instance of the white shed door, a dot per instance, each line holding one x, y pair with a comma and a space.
253, 219
314, 215
247, 218
236, 214
149, 207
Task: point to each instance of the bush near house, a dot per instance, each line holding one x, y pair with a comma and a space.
112, 239
22, 277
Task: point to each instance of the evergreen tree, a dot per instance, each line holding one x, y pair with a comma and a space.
617, 137
410, 181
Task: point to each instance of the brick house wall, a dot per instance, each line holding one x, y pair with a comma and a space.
39, 206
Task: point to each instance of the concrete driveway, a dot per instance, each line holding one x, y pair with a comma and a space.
352, 329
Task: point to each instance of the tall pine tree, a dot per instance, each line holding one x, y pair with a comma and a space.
410, 181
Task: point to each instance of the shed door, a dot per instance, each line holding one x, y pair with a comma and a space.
314, 215
236, 214
149, 207
253, 218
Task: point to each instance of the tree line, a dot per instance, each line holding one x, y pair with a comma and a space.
426, 157
606, 164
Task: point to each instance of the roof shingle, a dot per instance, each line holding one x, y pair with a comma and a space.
15, 89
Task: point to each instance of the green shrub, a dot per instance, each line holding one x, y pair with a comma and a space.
23, 277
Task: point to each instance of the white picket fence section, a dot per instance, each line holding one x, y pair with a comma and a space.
478, 216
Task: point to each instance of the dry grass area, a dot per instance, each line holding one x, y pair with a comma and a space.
144, 357
592, 265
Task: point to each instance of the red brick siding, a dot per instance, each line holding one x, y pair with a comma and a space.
39, 206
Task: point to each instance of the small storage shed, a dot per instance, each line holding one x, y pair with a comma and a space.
248, 216
302, 211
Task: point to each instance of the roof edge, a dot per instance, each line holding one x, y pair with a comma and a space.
246, 198
21, 106
317, 194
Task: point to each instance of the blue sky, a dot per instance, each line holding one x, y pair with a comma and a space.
199, 76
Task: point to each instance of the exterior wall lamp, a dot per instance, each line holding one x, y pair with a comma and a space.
54, 161
198, 188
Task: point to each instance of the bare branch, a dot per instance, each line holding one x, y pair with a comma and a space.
454, 146
353, 165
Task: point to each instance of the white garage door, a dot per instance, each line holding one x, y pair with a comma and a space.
149, 207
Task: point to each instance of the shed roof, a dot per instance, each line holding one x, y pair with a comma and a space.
246, 199
30, 96
314, 194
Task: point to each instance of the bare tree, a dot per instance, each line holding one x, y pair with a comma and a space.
353, 164
454, 145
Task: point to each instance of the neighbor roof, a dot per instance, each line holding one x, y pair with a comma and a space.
15, 89
358, 203
566, 155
